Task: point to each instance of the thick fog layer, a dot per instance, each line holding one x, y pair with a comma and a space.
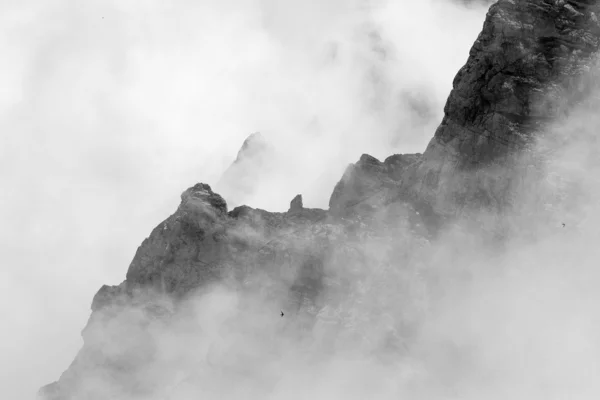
110, 109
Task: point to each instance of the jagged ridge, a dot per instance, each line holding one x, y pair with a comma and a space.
528, 55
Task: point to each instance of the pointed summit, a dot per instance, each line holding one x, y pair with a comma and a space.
251, 165
254, 146
525, 69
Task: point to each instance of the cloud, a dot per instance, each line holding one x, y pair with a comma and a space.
110, 109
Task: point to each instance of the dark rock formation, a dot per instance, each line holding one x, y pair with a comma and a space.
368, 183
529, 56
525, 69
296, 204
170, 258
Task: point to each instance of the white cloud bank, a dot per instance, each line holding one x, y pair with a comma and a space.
109, 109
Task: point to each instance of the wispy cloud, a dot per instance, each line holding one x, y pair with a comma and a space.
110, 109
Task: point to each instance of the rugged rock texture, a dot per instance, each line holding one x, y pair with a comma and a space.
292, 258
366, 183
524, 70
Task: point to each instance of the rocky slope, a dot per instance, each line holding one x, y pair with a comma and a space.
525, 69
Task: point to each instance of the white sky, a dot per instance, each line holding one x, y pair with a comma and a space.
110, 109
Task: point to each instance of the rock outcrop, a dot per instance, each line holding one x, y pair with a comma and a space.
296, 204
368, 183
525, 69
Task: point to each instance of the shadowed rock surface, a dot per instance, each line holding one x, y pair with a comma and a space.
522, 72
296, 204
529, 55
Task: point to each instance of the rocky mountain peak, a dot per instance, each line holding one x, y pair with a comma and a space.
252, 164
254, 146
526, 68
201, 197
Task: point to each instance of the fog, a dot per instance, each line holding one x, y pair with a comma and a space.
110, 109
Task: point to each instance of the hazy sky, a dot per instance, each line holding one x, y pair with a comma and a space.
110, 109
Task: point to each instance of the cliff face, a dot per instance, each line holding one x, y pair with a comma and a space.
524, 70
314, 263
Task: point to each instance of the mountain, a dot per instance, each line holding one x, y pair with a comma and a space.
358, 278
254, 162
521, 73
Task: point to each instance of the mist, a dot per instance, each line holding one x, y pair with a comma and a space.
109, 110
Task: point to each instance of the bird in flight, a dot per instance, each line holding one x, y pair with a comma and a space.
282, 313
563, 224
